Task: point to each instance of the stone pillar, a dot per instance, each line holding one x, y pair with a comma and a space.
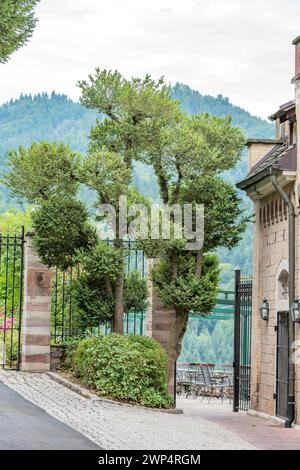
36, 312
159, 320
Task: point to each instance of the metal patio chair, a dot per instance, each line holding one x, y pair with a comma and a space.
216, 386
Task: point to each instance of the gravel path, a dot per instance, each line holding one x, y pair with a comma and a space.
122, 427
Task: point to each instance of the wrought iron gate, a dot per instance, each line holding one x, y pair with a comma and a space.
282, 370
242, 342
11, 297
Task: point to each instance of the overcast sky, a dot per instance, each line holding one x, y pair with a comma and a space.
240, 48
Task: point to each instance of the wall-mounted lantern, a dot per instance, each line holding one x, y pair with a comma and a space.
295, 311
264, 310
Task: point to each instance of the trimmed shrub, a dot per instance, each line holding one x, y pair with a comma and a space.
131, 368
62, 227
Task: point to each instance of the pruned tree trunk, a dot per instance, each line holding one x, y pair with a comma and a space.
118, 323
199, 263
178, 329
108, 285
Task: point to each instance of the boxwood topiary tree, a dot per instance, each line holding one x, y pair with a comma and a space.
61, 229
135, 111
190, 160
47, 175
95, 288
43, 170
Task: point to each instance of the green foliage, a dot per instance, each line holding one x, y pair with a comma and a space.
224, 224
194, 146
94, 288
103, 261
53, 174
194, 103
11, 224
13, 220
125, 368
107, 174
198, 348
136, 109
135, 292
17, 22
43, 170
143, 123
221, 143
64, 311
12, 345
188, 155
189, 159
62, 228
187, 292
93, 302
9, 353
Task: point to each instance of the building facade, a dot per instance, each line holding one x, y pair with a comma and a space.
273, 184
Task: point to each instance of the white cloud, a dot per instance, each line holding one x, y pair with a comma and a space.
239, 48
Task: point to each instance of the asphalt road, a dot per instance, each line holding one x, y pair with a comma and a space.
24, 426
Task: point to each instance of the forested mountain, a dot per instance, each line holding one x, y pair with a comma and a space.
57, 118
193, 102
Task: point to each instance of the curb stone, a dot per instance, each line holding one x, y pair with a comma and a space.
92, 396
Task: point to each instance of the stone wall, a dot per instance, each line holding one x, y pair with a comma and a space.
57, 357
270, 259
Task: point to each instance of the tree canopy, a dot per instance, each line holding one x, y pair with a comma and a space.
17, 22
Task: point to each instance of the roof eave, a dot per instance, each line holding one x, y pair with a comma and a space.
248, 182
264, 141
283, 110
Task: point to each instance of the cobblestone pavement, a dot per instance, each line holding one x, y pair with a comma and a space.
114, 427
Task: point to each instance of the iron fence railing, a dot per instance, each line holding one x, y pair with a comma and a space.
11, 298
64, 311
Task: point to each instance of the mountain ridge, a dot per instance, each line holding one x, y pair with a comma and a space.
195, 102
